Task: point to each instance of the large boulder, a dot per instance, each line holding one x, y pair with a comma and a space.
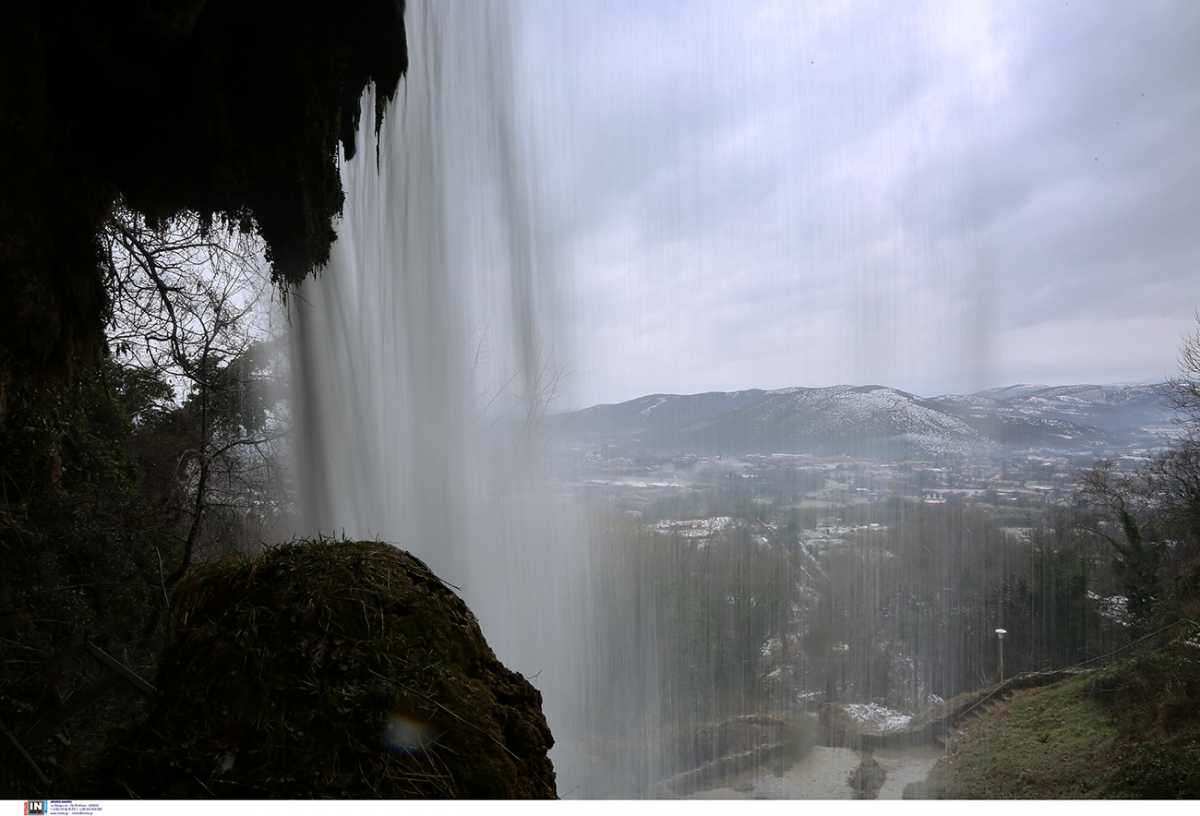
333, 669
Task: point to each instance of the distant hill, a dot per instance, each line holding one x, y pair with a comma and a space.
1123, 413
875, 420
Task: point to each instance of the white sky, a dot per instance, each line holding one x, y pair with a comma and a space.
939, 197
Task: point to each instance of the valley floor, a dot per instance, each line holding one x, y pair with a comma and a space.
1128, 730
824, 773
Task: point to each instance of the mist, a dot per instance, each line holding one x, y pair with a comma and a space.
760, 205
505, 399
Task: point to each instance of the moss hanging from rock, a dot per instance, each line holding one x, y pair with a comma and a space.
230, 109
333, 669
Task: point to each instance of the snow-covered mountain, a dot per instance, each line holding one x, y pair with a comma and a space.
875, 420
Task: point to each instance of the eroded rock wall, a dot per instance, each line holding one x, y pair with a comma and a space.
228, 108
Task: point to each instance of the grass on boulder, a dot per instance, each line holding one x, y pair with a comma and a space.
333, 669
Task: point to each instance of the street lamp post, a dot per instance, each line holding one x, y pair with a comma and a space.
1000, 633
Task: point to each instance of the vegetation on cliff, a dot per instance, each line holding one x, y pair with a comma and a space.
1129, 730
333, 669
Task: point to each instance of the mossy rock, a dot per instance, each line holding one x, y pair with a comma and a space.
333, 669
867, 778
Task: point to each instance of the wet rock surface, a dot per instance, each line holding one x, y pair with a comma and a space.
867, 778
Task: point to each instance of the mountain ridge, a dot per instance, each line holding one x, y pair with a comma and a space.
881, 420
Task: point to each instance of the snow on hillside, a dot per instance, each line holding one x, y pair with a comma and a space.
694, 528
844, 406
871, 413
866, 419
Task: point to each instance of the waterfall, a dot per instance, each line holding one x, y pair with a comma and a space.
424, 356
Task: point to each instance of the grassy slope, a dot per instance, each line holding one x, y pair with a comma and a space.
1132, 729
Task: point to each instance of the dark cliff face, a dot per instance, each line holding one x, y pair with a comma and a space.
231, 108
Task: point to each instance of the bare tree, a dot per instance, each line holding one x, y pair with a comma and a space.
532, 389
186, 301
1185, 388
1151, 517
541, 389
1127, 507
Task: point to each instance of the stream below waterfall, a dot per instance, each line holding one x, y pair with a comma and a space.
823, 773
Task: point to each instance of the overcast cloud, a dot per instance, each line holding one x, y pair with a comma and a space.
939, 196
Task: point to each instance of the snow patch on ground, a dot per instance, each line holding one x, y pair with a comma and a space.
636, 483
694, 528
1113, 607
878, 717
